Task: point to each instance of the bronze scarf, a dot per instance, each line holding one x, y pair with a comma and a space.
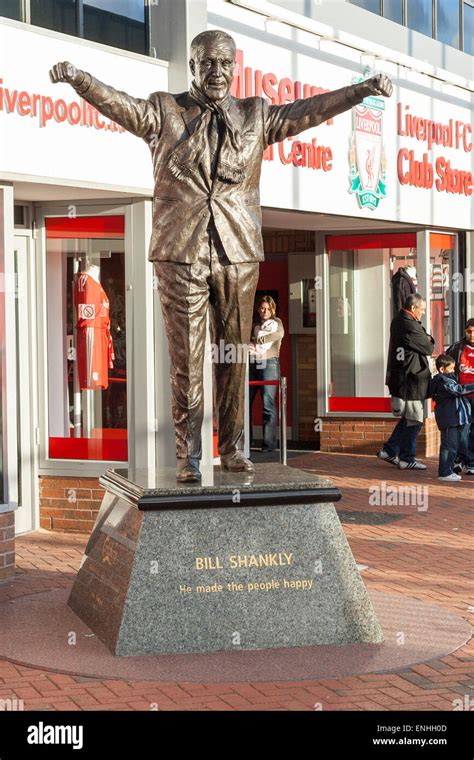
188, 155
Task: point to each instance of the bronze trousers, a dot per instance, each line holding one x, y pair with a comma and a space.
186, 293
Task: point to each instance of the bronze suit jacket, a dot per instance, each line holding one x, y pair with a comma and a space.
182, 210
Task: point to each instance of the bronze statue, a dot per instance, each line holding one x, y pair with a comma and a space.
206, 241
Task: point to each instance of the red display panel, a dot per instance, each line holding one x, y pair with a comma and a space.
359, 404
105, 445
364, 242
85, 227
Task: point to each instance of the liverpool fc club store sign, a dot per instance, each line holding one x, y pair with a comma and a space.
405, 159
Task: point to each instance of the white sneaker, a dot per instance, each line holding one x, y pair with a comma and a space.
451, 478
416, 465
469, 471
387, 458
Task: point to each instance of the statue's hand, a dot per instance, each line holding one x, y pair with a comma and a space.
379, 85
66, 72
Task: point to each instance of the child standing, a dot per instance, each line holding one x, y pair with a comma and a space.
453, 415
463, 354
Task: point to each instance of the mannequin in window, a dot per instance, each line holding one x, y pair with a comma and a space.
93, 270
94, 347
404, 284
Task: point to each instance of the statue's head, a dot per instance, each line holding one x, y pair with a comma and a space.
212, 63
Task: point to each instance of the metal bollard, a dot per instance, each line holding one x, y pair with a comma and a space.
283, 388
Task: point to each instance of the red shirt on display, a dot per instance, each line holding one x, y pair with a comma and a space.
94, 347
466, 367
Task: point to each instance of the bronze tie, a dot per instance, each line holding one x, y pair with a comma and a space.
214, 139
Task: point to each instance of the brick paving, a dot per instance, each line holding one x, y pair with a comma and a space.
426, 555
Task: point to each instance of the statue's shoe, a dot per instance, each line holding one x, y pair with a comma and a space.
187, 470
236, 462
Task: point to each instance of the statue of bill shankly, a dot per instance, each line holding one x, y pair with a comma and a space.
206, 241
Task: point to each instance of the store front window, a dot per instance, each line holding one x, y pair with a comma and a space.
343, 338
369, 276
86, 338
441, 296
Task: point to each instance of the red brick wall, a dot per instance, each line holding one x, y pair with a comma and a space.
69, 504
288, 241
307, 388
350, 435
429, 439
7, 545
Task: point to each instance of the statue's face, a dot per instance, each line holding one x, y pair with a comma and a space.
213, 68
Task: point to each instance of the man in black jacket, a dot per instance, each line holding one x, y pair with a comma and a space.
408, 379
463, 355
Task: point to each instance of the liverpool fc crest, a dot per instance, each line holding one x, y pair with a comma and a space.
367, 155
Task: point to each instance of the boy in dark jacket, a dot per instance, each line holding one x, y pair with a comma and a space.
453, 415
463, 355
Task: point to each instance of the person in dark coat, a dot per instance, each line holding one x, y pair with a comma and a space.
453, 416
463, 354
408, 379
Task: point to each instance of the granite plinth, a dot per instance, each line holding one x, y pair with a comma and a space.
269, 485
237, 562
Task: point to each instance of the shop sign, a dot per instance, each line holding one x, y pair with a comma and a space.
49, 133
383, 159
423, 172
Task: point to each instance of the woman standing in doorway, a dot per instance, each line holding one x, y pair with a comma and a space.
267, 334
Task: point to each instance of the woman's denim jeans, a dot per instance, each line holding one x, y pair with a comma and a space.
266, 369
